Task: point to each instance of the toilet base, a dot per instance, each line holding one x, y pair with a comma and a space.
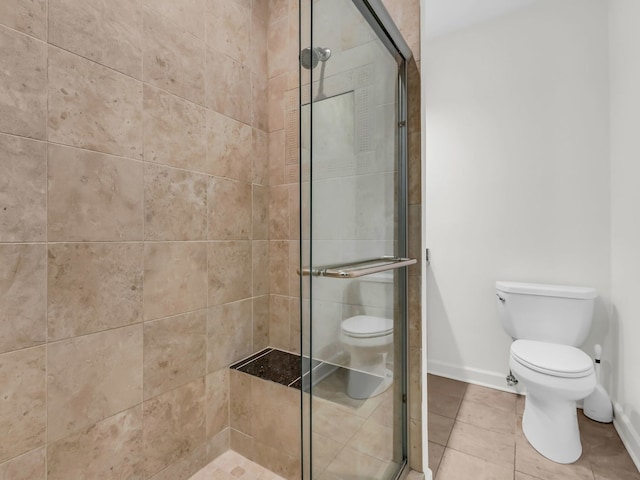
551, 427
361, 386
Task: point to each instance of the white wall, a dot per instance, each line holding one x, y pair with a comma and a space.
517, 174
624, 362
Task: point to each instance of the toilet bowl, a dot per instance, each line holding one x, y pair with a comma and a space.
555, 376
368, 340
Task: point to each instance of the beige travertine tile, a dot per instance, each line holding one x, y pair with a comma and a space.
217, 407
93, 197
110, 449
444, 405
175, 278
219, 444
324, 451
435, 456
241, 411
260, 156
175, 204
228, 86
335, 423
351, 463
415, 383
276, 157
173, 426
457, 465
229, 147
91, 378
186, 467
375, 440
109, 33
93, 107
492, 397
259, 19
93, 287
189, 14
294, 325
175, 130
277, 10
23, 189
279, 332
173, 59
23, 84
415, 444
486, 416
260, 268
413, 107
229, 271
414, 167
229, 332
279, 213
23, 318
27, 16
277, 46
260, 322
414, 241
241, 443
277, 461
276, 87
259, 102
23, 406
175, 352
279, 267
479, 442
260, 208
439, 428
229, 28
229, 203
294, 266
30, 466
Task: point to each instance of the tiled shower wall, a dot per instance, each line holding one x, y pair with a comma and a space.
133, 211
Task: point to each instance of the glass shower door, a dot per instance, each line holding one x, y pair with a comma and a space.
353, 244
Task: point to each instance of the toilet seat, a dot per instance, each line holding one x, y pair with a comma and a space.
552, 359
366, 326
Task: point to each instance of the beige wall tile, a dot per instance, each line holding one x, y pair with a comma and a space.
277, 46
175, 204
229, 204
279, 214
173, 426
174, 131
218, 445
93, 197
229, 271
93, 107
23, 84
260, 206
229, 331
189, 14
110, 449
228, 86
30, 466
279, 333
276, 419
175, 278
415, 445
415, 169
175, 352
294, 266
229, 28
23, 406
93, 287
229, 147
276, 157
241, 443
279, 267
22, 296
241, 411
276, 87
23, 190
277, 10
173, 58
186, 467
277, 461
415, 237
260, 322
294, 325
260, 154
260, 267
217, 414
109, 33
258, 54
91, 378
259, 102
415, 312
27, 16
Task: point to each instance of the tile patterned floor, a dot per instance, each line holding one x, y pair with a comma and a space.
476, 433
233, 466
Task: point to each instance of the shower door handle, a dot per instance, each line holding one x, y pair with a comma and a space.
358, 268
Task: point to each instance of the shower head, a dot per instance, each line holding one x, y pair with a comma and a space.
309, 57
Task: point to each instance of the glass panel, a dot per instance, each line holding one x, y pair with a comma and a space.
353, 330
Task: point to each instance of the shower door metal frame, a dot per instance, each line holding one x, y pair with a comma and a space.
379, 19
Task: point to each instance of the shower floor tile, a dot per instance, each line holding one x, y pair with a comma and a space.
233, 466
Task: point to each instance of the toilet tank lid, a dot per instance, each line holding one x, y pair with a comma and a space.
564, 291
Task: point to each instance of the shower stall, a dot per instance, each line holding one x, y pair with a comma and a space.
353, 240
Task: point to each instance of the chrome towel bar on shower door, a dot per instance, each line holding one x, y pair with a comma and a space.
359, 268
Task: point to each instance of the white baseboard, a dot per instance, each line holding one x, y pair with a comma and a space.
630, 437
476, 376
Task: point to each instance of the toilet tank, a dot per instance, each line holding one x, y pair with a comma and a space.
547, 313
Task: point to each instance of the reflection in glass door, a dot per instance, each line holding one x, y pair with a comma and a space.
353, 242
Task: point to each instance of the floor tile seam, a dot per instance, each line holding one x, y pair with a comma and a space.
482, 458
490, 405
514, 434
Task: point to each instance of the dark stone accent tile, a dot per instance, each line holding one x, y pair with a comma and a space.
276, 366
244, 361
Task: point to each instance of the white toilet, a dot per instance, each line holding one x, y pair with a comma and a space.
368, 340
547, 323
